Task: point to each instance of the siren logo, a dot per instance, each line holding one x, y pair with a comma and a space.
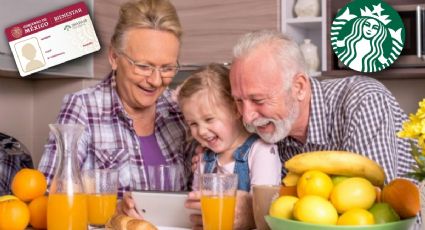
367, 35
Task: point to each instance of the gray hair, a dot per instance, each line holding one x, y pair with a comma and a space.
286, 50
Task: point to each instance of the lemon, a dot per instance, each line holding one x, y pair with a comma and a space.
282, 207
8, 197
314, 182
316, 210
354, 192
356, 216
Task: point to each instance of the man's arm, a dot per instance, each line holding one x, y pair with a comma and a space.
371, 130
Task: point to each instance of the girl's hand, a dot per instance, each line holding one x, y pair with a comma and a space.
194, 202
196, 159
127, 207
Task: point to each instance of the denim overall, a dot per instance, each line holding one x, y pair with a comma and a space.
241, 163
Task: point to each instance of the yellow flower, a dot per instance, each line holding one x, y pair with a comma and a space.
422, 103
412, 128
421, 111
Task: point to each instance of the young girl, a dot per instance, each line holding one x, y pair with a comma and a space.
209, 110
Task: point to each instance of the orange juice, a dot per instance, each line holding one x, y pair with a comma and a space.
101, 207
67, 212
217, 212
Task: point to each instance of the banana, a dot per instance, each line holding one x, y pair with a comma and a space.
7, 197
291, 179
337, 163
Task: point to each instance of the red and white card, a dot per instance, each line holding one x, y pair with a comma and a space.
52, 39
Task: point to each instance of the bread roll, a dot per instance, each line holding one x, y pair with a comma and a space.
136, 224
123, 222
119, 222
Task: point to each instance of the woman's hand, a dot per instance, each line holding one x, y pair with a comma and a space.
127, 207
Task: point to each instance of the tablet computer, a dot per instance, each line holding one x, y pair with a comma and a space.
164, 208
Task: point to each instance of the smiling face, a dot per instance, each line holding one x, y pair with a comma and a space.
266, 106
144, 46
213, 123
370, 28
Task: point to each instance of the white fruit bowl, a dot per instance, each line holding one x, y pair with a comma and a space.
281, 224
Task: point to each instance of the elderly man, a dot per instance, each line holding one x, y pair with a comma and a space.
283, 105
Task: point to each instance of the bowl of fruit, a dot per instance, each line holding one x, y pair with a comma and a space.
277, 223
341, 191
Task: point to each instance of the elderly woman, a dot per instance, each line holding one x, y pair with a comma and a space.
131, 121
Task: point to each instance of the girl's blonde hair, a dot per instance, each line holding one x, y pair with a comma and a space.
150, 14
215, 79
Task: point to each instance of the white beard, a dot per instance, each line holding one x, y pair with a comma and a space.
282, 127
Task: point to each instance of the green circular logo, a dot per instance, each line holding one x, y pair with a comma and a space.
367, 35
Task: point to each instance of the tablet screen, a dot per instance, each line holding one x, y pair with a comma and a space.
164, 208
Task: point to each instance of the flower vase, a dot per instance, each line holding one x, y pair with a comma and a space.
307, 8
311, 56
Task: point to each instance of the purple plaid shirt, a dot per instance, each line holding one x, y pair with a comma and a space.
110, 141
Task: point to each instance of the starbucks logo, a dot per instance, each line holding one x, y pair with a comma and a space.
367, 35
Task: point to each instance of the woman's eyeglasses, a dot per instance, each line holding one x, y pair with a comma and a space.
146, 70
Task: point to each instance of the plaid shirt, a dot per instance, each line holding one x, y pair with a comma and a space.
356, 114
13, 157
110, 141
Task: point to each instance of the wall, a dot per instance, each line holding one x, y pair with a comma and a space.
28, 106
16, 109
408, 92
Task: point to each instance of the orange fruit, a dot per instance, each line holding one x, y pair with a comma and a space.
288, 190
316, 210
14, 215
356, 216
403, 196
354, 192
38, 212
28, 184
314, 182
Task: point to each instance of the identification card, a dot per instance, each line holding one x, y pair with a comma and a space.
52, 39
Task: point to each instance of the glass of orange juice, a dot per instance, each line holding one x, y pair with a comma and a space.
101, 187
218, 196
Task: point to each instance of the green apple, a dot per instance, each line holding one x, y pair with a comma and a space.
338, 179
383, 213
